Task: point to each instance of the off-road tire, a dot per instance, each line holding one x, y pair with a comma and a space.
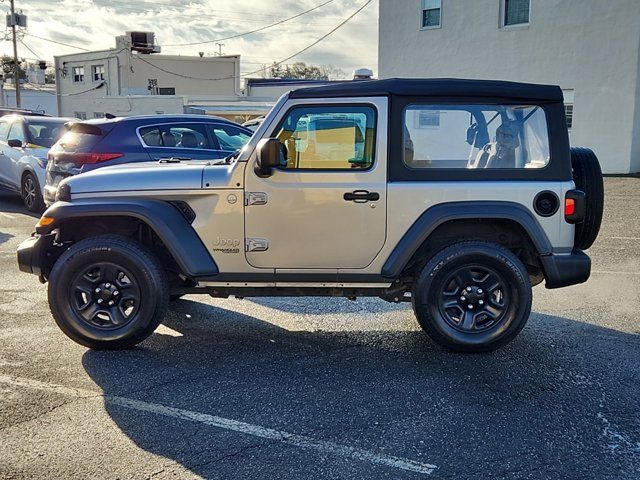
477, 257
587, 176
117, 253
31, 193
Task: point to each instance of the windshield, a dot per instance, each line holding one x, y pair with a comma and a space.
45, 133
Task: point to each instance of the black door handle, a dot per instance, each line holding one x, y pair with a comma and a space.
361, 196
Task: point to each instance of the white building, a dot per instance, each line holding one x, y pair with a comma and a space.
130, 80
38, 98
591, 48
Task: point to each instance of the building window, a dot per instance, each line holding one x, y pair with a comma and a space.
98, 114
80, 115
431, 13
78, 74
428, 119
97, 72
516, 12
568, 112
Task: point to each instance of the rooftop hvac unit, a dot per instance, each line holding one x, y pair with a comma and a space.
143, 42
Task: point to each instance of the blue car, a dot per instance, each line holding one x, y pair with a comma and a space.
96, 143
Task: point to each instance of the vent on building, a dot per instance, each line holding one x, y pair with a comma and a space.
143, 42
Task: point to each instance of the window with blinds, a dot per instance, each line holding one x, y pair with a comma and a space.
516, 12
431, 13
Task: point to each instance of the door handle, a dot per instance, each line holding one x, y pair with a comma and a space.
361, 196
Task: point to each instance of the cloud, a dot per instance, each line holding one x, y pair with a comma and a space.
93, 24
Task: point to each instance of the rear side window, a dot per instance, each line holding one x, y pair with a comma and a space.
475, 136
328, 137
192, 136
229, 137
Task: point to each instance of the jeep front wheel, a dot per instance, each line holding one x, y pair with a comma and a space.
108, 292
472, 297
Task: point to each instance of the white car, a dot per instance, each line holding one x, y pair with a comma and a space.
24, 143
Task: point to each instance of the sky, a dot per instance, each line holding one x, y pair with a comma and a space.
93, 24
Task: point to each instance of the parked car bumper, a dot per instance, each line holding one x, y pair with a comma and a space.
564, 270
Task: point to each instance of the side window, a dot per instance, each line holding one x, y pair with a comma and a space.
475, 136
229, 137
175, 136
4, 131
17, 132
329, 137
185, 136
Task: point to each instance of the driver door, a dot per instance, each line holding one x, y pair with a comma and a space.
325, 209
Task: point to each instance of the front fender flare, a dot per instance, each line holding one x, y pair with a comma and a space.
164, 219
444, 212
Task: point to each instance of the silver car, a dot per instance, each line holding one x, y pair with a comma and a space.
24, 144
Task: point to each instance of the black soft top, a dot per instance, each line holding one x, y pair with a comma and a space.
434, 87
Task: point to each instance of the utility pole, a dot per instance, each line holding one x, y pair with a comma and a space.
16, 64
220, 45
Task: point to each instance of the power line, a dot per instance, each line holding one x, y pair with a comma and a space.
55, 41
250, 31
139, 57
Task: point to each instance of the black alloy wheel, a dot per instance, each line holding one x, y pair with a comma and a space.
108, 292
105, 295
472, 296
474, 299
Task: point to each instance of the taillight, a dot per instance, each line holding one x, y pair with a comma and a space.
82, 158
574, 206
569, 206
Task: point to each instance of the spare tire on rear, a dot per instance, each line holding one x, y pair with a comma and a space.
587, 176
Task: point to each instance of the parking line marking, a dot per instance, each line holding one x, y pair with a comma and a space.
624, 238
615, 272
6, 215
301, 441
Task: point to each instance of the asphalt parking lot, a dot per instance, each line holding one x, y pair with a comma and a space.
328, 388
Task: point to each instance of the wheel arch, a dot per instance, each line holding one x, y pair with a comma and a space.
162, 218
469, 220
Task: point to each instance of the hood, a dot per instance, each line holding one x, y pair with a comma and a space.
139, 176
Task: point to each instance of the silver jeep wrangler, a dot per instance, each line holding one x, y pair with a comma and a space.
454, 195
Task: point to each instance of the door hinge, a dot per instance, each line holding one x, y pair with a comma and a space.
255, 198
256, 244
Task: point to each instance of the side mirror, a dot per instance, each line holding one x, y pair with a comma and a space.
15, 143
271, 154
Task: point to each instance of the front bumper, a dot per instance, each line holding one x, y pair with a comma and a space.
564, 270
33, 254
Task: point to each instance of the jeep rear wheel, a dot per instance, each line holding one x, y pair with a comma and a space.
587, 176
108, 292
473, 297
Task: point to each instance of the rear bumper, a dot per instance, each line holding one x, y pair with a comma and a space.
32, 254
564, 270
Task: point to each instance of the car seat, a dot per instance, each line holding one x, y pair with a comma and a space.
502, 152
168, 139
188, 140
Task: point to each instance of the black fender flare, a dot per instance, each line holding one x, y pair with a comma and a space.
168, 223
435, 216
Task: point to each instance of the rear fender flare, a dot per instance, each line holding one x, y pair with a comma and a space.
435, 216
